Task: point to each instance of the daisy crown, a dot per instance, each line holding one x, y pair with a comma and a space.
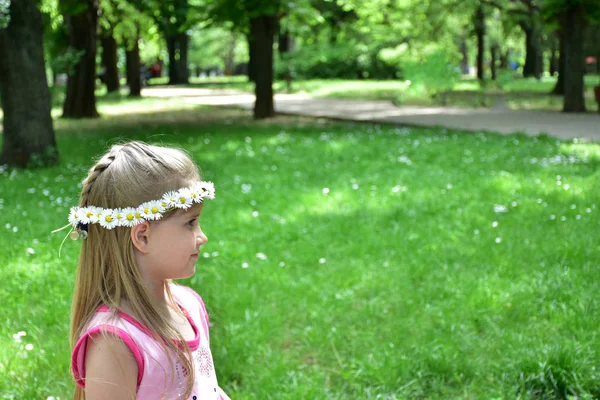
110, 218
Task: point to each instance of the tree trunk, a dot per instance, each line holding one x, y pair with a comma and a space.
132, 59
559, 88
504, 59
182, 65
464, 50
553, 64
532, 67
494, 55
284, 41
251, 58
229, 59
81, 84
177, 46
28, 138
480, 32
262, 30
574, 30
109, 62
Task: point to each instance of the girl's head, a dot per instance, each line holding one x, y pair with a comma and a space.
127, 176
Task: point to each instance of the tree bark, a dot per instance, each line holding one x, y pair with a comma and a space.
494, 54
532, 67
553, 62
464, 51
229, 59
480, 32
177, 46
28, 138
574, 30
80, 101
109, 62
132, 59
251, 58
559, 88
262, 30
504, 59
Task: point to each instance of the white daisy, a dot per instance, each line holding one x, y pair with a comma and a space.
144, 211
169, 199
210, 190
131, 217
108, 219
195, 193
87, 215
119, 216
184, 198
155, 210
93, 214
73, 216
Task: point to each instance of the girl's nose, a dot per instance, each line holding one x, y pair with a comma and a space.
201, 238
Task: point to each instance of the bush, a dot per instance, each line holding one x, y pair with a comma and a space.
342, 61
432, 68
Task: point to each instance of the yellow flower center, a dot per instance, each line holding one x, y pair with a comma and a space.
130, 217
109, 218
138, 215
182, 200
89, 214
154, 210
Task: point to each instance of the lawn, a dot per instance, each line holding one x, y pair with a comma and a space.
345, 261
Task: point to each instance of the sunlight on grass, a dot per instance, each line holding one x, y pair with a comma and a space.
344, 261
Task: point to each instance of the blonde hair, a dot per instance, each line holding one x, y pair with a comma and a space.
128, 175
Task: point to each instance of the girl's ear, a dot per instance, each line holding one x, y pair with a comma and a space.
139, 236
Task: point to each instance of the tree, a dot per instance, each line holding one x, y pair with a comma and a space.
259, 20
479, 24
574, 28
572, 17
173, 19
81, 18
28, 132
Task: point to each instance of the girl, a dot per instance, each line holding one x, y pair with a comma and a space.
134, 333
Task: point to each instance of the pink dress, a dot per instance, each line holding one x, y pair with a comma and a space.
155, 379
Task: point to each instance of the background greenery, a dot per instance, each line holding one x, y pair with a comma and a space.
344, 260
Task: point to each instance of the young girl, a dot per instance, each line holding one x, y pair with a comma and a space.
134, 333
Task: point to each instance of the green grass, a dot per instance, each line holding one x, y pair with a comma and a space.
405, 279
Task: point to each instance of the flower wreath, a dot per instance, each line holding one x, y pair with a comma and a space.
110, 218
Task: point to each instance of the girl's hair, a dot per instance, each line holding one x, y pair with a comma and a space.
127, 176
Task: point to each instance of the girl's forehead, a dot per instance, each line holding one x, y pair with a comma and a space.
195, 209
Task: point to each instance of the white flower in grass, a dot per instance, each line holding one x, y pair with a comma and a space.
108, 219
169, 199
131, 217
184, 199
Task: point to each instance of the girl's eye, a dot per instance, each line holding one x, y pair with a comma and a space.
192, 222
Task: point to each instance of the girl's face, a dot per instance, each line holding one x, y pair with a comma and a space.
174, 244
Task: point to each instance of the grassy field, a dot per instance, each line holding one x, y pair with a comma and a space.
344, 261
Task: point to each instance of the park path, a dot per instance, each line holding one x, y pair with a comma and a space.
495, 119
